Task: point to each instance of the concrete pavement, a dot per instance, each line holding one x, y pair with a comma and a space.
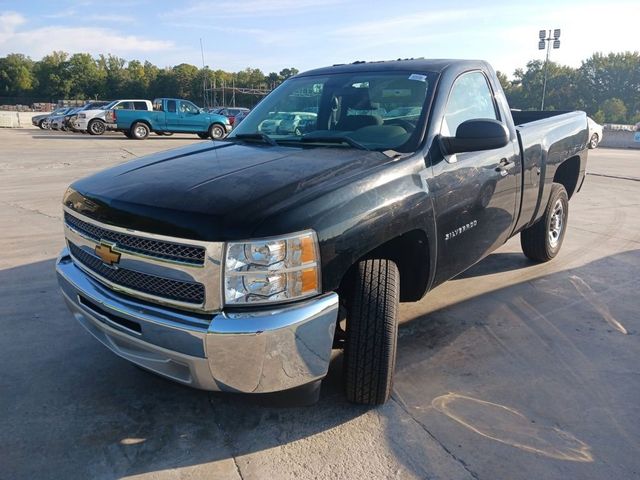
513, 370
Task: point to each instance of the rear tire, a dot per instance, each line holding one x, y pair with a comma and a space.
594, 140
96, 127
542, 241
216, 131
372, 332
139, 131
41, 124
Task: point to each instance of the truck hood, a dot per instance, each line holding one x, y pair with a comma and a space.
216, 191
93, 113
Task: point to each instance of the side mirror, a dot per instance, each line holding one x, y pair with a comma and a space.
476, 135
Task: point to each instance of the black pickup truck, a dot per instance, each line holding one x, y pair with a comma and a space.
238, 265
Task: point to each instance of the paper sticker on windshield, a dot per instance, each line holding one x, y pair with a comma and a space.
417, 76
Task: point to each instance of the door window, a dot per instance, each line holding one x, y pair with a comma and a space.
188, 107
171, 106
123, 106
470, 98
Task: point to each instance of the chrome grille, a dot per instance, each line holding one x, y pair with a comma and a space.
132, 243
150, 284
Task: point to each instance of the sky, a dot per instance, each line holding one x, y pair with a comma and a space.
276, 34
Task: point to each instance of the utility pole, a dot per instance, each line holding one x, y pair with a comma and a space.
545, 42
204, 78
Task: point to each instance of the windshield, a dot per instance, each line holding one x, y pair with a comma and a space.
109, 105
378, 111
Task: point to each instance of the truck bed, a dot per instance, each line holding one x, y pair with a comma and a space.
546, 138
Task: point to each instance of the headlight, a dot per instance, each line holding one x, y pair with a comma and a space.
82, 115
272, 269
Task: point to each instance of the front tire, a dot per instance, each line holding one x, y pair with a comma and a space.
216, 131
542, 241
96, 127
139, 131
372, 332
593, 142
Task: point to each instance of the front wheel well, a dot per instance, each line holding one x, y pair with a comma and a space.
567, 174
410, 252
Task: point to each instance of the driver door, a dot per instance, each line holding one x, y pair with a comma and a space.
474, 192
189, 117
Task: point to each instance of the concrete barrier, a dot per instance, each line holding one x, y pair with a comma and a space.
620, 139
17, 119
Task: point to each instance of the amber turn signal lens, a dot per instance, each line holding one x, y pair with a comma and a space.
308, 250
309, 280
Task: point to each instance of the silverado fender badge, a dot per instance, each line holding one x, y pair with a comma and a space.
106, 254
462, 229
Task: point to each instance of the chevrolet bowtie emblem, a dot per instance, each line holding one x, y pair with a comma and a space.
106, 254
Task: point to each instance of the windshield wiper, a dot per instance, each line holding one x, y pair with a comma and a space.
334, 139
256, 136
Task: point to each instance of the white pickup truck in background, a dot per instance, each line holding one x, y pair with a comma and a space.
93, 121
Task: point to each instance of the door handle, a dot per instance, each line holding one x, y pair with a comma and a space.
504, 166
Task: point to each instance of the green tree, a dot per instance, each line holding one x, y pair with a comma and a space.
616, 75
53, 76
164, 84
273, 79
614, 110
16, 75
85, 78
185, 77
526, 90
115, 74
288, 72
599, 117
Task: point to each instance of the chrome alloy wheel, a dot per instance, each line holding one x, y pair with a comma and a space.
97, 127
557, 224
140, 131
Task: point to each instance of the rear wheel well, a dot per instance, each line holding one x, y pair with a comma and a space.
146, 122
567, 174
410, 252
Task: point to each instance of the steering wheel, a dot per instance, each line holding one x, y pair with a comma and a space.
407, 125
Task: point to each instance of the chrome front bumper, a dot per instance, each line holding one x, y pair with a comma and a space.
80, 124
256, 351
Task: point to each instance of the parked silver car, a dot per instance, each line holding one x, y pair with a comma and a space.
284, 122
42, 121
56, 122
595, 133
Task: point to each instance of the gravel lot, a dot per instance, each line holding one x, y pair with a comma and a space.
513, 370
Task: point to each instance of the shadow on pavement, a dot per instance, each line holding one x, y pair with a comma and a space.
72, 409
497, 263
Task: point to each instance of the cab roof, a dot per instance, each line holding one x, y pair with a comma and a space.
410, 64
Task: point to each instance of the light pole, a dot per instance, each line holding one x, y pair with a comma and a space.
545, 42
